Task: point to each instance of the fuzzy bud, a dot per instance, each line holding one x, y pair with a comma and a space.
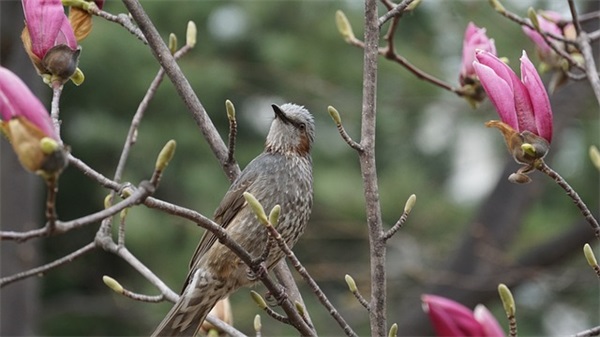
190, 34
260, 301
410, 203
532, 15
257, 324
595, 156
256, 208
274, 215
335, 115
507, 300
589, 255
165, 155
393, 330
172, 43
230, 110
497, 6
344, 27
112, 284
351, 284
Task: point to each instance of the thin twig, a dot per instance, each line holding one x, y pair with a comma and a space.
142, 297
585, 211
420, 74
122, 19
277, 316
361, 299
589, 16
576, 22
391, 55
396, 226
55, 109
61, 227
348, 139
93, 174
121, 235
512, 326
231, 140
54, 264
514, 17
395, 12
273, 233
590, 63
595, 331
52, 191
110, 246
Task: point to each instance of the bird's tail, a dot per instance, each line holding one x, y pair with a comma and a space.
191, 309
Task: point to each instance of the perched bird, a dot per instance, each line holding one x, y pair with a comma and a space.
281, 175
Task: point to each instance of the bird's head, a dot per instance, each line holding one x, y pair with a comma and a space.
292, 130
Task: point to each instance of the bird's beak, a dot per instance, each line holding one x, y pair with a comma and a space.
280, 114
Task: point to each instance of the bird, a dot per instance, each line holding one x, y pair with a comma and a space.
280, 175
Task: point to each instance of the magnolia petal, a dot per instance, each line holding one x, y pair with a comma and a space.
44, 19
489, 323
496, 82
539, 99
450, 318
17, 100
475, 38
66, 35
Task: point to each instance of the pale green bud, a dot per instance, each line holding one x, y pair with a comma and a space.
335, 115
410, 203
108, 201
351, 284
274, 215
589, 255
258, 299
595, 156
172, 43
343, 26
165, 155
393, 330
497, 6
257, 323
256, 208
112, 284
507, 300
230, 110
190, 34
532, 15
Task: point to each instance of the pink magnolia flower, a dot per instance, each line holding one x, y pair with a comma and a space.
49, 39
522, 104
548, 21
28, 126
475, 39
452, 319
523, 107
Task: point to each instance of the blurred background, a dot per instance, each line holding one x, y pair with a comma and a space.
470, 229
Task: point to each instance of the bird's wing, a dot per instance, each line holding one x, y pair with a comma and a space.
232, 203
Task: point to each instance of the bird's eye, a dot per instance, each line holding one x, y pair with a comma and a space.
302, 126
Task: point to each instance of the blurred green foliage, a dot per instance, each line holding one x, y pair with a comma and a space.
284, 51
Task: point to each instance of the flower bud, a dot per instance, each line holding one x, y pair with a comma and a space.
27, 125
344, 27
